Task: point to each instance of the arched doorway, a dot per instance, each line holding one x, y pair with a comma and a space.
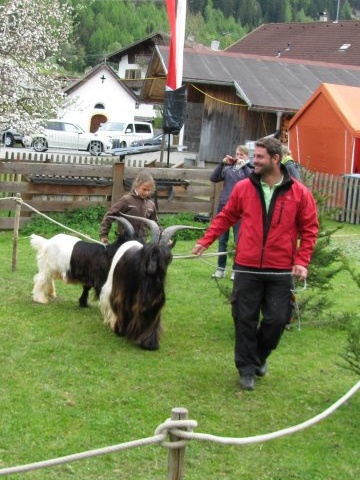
96, 120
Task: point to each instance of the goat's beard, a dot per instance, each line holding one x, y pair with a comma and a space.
138, 294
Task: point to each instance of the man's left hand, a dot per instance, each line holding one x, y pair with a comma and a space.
299, 271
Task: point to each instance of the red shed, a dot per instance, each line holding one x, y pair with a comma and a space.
324, 135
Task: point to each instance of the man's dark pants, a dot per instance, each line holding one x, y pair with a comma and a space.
259, 292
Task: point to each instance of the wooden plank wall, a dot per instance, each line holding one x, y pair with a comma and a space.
227, 122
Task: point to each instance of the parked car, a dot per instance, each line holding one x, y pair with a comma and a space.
10, 136
124, 133
157, 140
62, 134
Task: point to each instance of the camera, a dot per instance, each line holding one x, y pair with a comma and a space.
230, 160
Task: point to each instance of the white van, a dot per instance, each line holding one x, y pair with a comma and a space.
124, 133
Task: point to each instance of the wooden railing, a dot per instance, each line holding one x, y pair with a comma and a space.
57, 183
340, 195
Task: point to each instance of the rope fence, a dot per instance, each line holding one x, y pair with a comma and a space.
180, 432
20, 201
175, 433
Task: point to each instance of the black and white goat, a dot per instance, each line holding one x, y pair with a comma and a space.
72, 260
134, 292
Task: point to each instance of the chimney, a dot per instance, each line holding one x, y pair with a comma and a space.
215, 45
323, 17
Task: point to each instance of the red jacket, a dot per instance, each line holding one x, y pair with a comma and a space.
282, 237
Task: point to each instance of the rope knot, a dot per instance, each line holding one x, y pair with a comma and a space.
174, 428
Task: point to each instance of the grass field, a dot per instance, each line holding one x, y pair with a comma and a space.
68, 384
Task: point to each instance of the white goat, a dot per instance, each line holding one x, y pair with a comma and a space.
53, 259
73, 260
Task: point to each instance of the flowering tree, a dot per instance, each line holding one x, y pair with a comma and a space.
31, 36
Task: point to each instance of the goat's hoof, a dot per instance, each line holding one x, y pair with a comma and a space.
149, 346
42, 300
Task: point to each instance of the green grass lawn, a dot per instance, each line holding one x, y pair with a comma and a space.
68, 384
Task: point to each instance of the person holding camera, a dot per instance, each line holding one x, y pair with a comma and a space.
230, 171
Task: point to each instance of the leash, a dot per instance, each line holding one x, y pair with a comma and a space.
294, 291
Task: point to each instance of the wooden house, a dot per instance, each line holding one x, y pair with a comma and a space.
236, 98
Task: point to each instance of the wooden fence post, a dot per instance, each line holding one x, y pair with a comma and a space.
118, 181
16, 232
176, 455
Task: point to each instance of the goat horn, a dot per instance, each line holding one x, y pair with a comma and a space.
154, 227
129, 229
170, 231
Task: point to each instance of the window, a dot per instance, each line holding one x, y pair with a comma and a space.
69, 127
99, 105
344, 47
54, 126
142, 128
133, 74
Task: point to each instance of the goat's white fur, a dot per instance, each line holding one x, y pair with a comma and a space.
53, 259
104, 302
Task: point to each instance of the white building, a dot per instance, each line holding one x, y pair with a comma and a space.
100, 95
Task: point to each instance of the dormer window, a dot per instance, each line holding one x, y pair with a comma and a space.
344, 47
99, 105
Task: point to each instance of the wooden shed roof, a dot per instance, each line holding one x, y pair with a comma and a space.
263, 83
331, 42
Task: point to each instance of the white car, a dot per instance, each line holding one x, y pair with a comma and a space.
62, 134
124, 133
10, 136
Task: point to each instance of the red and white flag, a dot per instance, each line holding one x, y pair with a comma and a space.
177, 19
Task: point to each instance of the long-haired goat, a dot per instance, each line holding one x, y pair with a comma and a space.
72, 260
134, 293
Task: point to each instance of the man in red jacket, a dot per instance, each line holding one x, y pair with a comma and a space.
278, 231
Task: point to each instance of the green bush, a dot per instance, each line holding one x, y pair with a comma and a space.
188, 219
87, 221
83, 220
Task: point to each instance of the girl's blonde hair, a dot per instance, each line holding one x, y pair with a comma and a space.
141, 178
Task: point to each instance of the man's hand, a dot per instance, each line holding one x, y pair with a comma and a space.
104, 240
198, 249
299, 271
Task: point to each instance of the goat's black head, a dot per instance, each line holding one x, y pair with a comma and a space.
162, 238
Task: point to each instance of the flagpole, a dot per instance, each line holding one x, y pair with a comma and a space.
180, 40
177, 20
